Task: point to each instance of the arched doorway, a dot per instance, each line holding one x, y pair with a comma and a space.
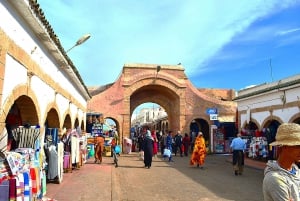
21, 114
162, 96
67, 122
270, 130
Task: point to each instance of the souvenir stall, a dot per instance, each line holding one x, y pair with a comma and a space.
222, 134
72, 153
258, 148
22, 167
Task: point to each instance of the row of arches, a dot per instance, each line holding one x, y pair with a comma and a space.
24, 112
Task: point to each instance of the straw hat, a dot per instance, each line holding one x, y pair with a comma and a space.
288, 134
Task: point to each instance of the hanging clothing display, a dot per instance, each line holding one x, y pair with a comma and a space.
75, 149
52, 159
25, 137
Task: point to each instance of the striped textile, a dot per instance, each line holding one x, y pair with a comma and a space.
26, 186
25, 137
12, 189
3, 140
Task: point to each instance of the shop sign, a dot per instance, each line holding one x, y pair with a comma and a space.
212, 111
213, 116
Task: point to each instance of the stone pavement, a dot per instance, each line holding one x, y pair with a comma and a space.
164, 181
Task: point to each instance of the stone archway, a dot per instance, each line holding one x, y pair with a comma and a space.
170, 88
162, 96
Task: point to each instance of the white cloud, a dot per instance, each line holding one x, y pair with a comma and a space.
162, 32
287, 32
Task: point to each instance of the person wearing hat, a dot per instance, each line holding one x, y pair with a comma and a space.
282, 177
237, 147
199, 151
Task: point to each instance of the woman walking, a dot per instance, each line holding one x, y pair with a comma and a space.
186, 144
199, 152
148, 149
155, 144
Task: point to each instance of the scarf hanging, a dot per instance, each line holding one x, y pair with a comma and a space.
18, 190
26, 186
33, 181
21, 184
12, 189
25, 137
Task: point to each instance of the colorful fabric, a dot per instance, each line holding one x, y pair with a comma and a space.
199, 152
25, 137
44, 183
21, 185
38, 180
18, 190
26, 186
33, 181
155, 144
12, 189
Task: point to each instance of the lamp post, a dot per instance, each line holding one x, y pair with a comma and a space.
80, 41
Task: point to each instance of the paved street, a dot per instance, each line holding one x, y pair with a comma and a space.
163, 181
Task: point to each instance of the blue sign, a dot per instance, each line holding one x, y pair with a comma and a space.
212, 111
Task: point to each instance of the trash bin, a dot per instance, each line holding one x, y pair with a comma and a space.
127, 145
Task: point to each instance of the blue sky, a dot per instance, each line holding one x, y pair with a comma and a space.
228, 44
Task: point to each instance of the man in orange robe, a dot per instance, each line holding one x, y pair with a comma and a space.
199, 152
99, 147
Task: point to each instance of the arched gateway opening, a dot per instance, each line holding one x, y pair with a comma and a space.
170, 88
160, 95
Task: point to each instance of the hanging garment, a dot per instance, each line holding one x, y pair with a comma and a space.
20, 187
75, 152
52, 162
25, 137
33, 181
12, 189
26, 186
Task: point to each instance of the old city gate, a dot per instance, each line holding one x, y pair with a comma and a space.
166, 85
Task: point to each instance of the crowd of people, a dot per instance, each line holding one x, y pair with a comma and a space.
150, 143
281, 177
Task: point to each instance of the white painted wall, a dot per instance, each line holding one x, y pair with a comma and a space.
16, 74
292, 94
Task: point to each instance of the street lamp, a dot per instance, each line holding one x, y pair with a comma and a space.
80, 41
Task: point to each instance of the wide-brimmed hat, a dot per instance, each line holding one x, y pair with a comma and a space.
288, 134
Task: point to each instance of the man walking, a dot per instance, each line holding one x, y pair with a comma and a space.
238, 146
178, 143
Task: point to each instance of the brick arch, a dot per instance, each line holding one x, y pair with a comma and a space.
161, 95
17, 92
170, 88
